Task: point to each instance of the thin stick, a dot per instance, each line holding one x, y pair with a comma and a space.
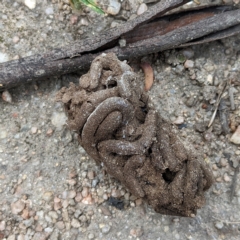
217, 104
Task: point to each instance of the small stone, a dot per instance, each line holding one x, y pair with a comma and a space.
49, 132
189, 64
15, 39
72, 194
138, 201
219, 225
47, 196
60, 225
105, 211
188, 53
75, 223
6, 96
85, 192
78, 197
57, 206
49, 11
3, 133
105, 228
84, 22
226, 178
236, 136
95, 182
11, 237
3, 57
53, 214
17, 207
136, 232
83, 218
59, 120
57, 200
21, 237
223, 162
31, 4
91, 236
39, 228
72, 182
91, 175
2, 225
113, 7
65, 203
116, 193
210, 79
74, 19
88, 200
166, 229
34, 130
25, 214
142, 8
179, 120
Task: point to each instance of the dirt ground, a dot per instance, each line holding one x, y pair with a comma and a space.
51, 189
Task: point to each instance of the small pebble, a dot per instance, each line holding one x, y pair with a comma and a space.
6, 96
88, 200
57, 206
17, 207
91, 175
34, 130
188, 53
223, 162
47, 196
84, 22
219, 225
226, 178
2, 225
25, 214
49, 11
105, 211
85, 192
49, 132
31, 4
11, 237
179, 120
74, 19
138, 201
105, 228
236, 136
78, 197
113, 7
72, 194
91, 236
15, 39
136, 232
3, 57
60, 225
58, 120
65, 203
189, 64
75, 223
142, 8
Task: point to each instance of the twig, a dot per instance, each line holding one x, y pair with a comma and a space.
172, 31
217, 104
224, 221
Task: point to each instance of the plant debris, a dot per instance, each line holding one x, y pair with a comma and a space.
149, 76
120, 129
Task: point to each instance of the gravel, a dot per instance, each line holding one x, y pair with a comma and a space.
50, 188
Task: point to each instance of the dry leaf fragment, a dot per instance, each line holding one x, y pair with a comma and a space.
149, 76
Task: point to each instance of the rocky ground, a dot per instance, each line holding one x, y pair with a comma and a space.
50, 188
